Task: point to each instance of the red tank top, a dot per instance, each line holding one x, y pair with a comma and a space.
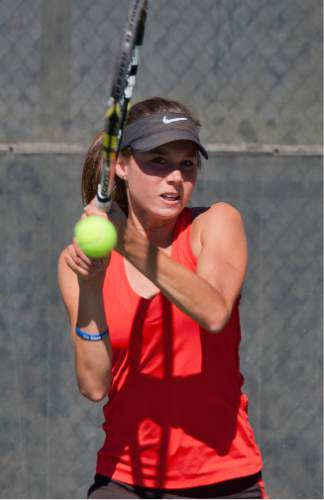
176, 416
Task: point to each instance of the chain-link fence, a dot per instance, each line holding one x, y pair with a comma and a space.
252, 71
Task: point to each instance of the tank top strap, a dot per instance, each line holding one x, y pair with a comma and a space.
181, 246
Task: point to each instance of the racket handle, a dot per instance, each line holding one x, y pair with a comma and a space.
103, 202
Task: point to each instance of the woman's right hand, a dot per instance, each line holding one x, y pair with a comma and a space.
86, 269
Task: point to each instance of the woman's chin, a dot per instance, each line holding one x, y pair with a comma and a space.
169, 209
161, 210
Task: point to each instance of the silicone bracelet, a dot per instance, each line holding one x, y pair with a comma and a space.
91, 336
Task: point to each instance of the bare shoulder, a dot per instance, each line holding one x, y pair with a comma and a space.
217, 221
219, 211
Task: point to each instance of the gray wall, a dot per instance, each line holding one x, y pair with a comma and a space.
252, 70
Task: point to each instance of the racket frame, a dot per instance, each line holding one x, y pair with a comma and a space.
119, 102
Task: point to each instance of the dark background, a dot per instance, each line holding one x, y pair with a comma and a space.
252, 71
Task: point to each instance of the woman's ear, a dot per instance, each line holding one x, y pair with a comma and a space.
121, 168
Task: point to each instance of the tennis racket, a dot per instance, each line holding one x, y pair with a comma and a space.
119, 102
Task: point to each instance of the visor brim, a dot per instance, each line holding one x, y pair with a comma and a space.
155, 140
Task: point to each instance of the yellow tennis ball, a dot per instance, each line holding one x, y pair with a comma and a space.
95, 236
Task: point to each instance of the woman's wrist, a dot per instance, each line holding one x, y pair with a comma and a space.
91, 283
91, 308
133, 242
92, 336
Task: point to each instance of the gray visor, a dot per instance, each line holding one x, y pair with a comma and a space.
152, 131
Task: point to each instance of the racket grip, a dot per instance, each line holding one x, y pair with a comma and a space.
103, 202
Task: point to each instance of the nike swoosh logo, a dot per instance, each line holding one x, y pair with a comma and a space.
170, 120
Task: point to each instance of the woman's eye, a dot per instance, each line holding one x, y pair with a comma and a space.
159, 160
188, 164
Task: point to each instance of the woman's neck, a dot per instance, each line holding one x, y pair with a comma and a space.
157, 231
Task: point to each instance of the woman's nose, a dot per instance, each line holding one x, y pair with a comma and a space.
175, 175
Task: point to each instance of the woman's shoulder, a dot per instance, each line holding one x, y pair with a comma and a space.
219, 210
213, 222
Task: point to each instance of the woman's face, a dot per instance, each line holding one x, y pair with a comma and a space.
160, 182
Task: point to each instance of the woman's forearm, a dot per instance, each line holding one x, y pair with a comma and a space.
184, 288
92, 358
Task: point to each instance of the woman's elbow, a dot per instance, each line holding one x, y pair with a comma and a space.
94, 393
94, 396
216, 324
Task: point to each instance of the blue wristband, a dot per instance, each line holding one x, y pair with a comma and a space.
91, 336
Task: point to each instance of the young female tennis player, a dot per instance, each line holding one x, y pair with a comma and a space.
176, 420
